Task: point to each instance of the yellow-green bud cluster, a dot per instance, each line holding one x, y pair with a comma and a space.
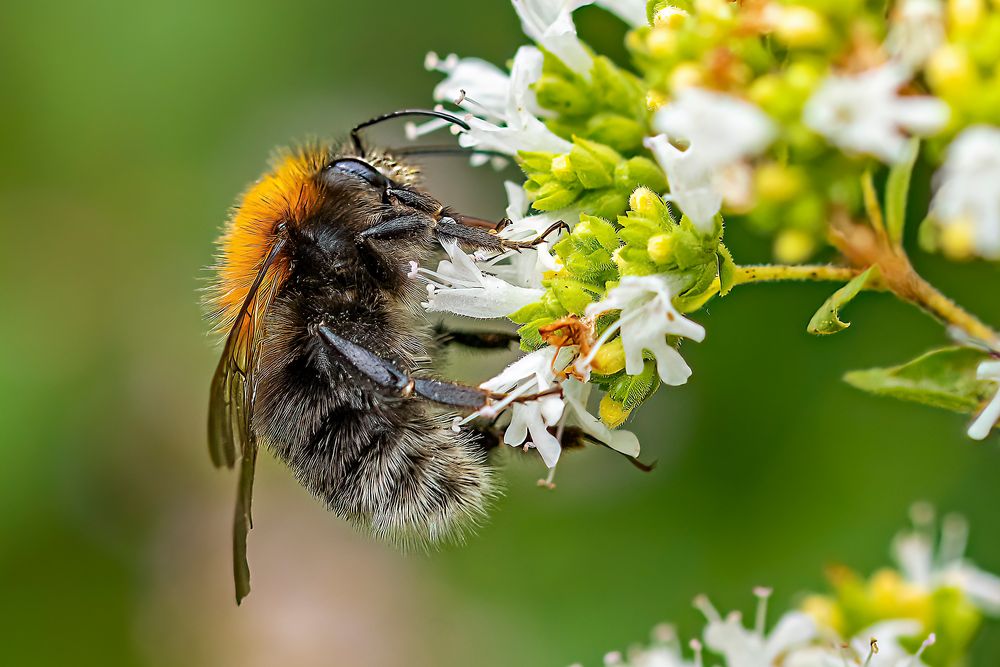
857, 603
608, 107
592, 177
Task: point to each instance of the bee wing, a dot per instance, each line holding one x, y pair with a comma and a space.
242, 523
230, 411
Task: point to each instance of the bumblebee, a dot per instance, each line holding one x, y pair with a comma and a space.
325, 356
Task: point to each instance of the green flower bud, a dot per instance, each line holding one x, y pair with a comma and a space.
594, 229
620, 132
563, 170
640, 172
555, 195
562, 96
632, 390
593, 163
605, 203
574, 295
648, 204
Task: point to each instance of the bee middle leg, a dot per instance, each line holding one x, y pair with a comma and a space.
388, 378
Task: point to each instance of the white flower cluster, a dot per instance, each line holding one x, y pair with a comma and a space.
798, 640
794, 641
505, 118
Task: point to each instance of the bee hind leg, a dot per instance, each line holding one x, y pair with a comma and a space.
480, 340
396, 383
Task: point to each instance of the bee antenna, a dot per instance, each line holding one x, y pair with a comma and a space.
444, 115
442, 150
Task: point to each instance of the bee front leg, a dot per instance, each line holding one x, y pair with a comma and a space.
490, 240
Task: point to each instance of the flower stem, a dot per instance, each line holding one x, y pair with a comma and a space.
777, 272
771, 273
897, 276
864, 246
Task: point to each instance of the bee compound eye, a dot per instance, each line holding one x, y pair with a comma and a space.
357, 169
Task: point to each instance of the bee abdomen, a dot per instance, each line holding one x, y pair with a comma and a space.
401, 474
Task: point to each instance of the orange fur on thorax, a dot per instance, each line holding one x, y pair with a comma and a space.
289, 194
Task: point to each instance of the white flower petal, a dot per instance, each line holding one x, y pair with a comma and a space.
550, 24
692, 184
647, 317
720, 129
459, 286
916, 30
793, 629
575, 394
632, 12
494, 299
864, 113
483, 83
968, 192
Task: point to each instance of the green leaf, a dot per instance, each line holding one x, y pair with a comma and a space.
827, 318
897, 189
944, 378
727, 270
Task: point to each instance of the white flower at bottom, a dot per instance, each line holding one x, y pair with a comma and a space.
647, 317
864, 113
742, 647
946, 566
530, 421
459, 286
987, 419
875, 646
968, 191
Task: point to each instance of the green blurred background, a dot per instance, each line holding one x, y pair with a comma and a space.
128, 128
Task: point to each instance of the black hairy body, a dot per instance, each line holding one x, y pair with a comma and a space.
391, 465
326, 357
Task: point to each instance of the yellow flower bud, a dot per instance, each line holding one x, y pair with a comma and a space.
950, 68
719, 10
610, 358
825, 611
801, 27
612, 413
965, 15
957, 239
793, 246
669, 17
660, 248
685, 75
645, 202
893, 597
655, 99
662, 42
777, 182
